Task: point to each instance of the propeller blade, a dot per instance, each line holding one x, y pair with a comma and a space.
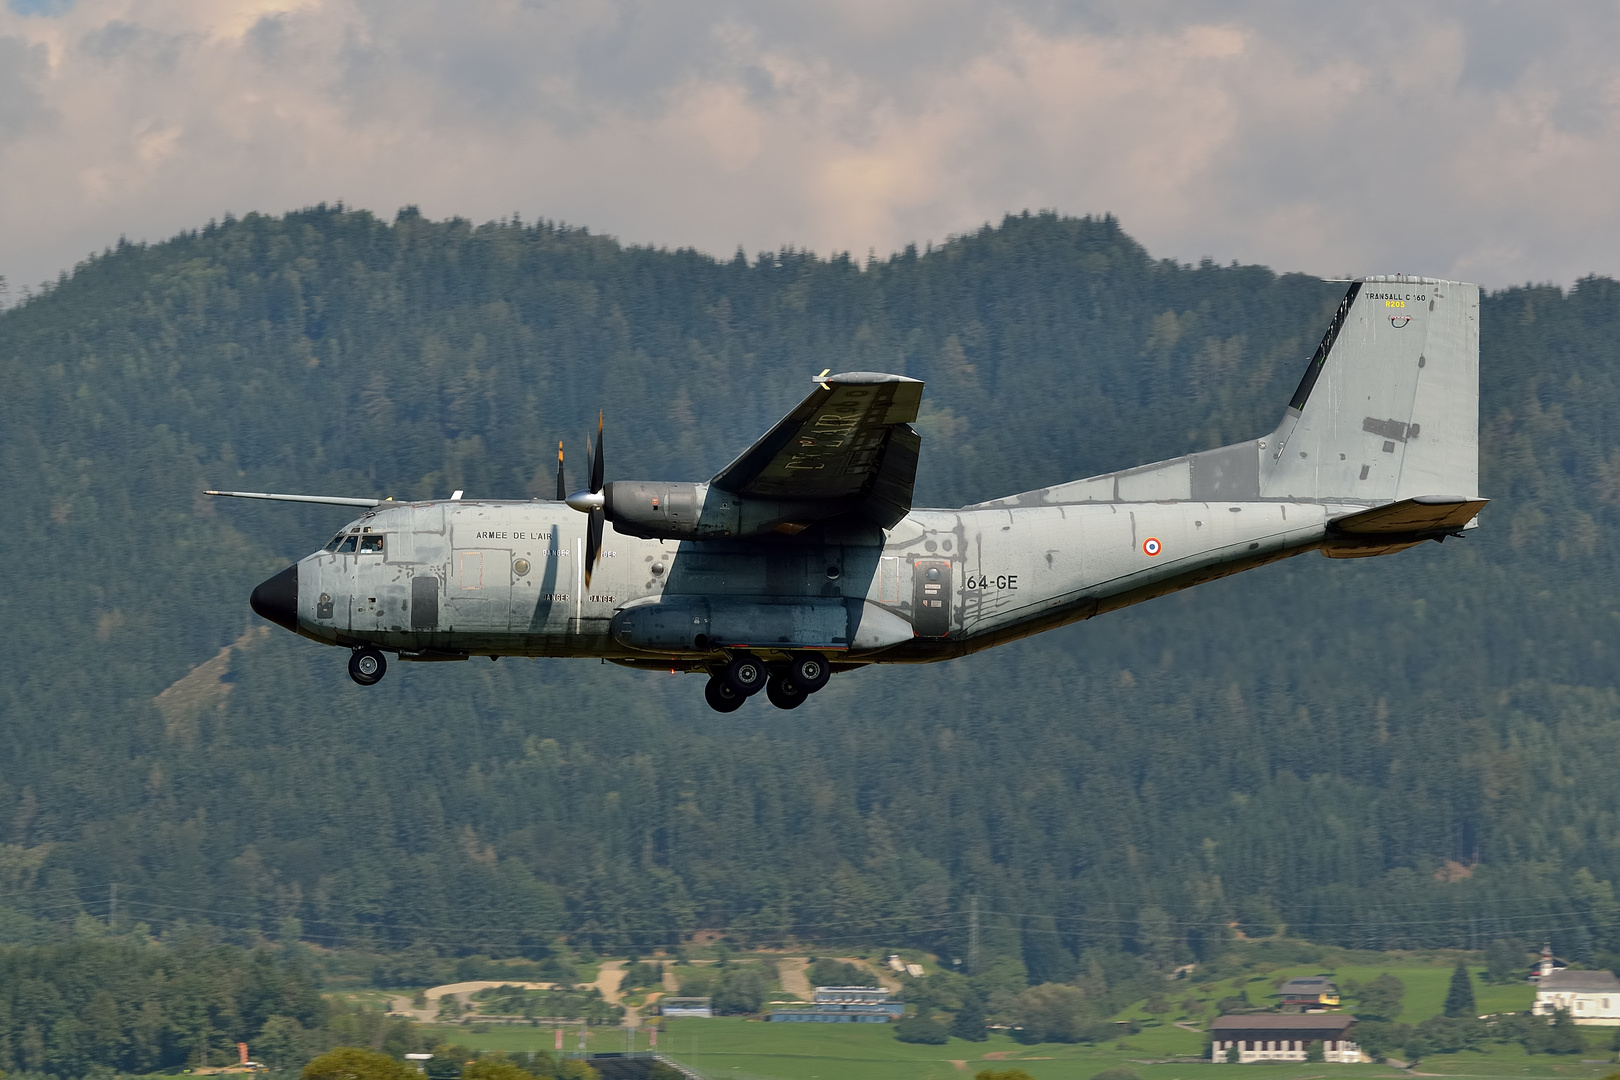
593, 543
562, 491
596, 461
588, 462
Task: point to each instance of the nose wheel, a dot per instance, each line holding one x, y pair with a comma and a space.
367, 666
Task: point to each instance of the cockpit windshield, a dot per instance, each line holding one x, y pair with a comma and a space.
348, 543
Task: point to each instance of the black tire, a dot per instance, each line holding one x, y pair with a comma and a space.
721, 697
809, 671
367, 666
746, 675
785, 693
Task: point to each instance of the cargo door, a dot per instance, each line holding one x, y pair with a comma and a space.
479, 589
931, 595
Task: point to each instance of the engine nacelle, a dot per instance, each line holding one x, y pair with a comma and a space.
686, 511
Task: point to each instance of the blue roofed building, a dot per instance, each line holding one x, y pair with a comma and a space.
843, 1005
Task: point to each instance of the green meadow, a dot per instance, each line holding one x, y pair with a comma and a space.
741, 1049
745, 1049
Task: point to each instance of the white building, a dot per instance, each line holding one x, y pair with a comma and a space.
1270, 1037
1591, 997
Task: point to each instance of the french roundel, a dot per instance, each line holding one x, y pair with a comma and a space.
1150, 546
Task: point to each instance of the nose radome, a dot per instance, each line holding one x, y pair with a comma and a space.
276, 598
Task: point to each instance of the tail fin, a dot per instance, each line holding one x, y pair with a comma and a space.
1389, 407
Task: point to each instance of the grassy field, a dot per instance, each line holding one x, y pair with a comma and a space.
732, 1049
727, 1049
1426, 986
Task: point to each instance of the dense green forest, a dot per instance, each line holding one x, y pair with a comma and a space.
93, 1007
1411, 751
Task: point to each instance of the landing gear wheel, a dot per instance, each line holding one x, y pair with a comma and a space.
809, 672
785, 693
721, 697
367, 666
746, 675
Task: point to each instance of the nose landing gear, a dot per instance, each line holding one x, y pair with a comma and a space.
367, 666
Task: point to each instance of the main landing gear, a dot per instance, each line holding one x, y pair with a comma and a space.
786, 686
367, 666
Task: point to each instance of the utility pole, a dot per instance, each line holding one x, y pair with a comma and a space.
972, 935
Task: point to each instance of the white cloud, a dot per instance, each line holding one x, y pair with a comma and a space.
1461, 139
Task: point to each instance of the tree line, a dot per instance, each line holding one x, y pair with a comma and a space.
1411, 752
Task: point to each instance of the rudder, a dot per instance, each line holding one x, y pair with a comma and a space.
1389, 406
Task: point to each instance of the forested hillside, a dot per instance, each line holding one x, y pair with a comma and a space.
1412, 750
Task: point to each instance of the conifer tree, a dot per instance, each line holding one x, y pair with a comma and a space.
969, 1020
1460, 998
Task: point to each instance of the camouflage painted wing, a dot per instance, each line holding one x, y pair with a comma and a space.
849, 445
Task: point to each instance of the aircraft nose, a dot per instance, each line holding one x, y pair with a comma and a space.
276, 598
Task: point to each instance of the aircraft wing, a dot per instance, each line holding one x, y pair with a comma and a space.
849, 444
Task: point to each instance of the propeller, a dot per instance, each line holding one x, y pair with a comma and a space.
592, 502
562, 489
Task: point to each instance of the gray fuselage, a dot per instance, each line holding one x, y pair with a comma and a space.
456, 578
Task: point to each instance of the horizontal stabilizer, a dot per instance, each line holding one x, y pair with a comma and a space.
1424, 514
329, 500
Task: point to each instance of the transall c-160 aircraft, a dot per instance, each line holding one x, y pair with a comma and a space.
804, 556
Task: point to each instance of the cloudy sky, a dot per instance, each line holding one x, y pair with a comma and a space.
1468, 139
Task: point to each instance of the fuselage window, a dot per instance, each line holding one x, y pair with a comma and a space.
371, 543
336, 540
348, 544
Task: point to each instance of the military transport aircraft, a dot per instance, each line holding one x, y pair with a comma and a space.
805, 557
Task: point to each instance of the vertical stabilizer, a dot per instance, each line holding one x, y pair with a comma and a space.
1389, 407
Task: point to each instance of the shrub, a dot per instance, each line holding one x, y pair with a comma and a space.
825, 972
921, 1029
1052, 1013
1115, 1074
353, 1063
741, 991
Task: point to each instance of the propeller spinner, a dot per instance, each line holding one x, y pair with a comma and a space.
589, 501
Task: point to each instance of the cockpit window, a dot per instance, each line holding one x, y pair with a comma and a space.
348, 544
335, 541
373, 542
